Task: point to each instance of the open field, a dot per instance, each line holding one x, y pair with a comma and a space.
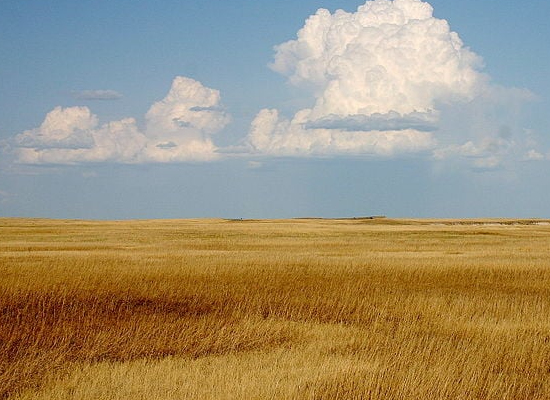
293, 309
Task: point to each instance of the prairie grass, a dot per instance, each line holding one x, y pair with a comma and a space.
295, 309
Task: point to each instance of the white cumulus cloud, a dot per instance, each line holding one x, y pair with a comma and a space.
63, 128
387, 56
177, 128
379, 79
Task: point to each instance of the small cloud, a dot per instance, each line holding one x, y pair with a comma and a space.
486, 155
89, 174
167, 145
97, 95
254, 164
486, 164
4, 196
210, 108
181, 123
533, 155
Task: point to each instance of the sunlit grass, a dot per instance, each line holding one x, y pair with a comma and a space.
313, 309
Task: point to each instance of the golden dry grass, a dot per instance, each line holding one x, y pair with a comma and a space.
298, 309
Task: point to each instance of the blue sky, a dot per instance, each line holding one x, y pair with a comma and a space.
185, 109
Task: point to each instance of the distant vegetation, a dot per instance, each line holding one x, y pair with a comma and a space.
298, 309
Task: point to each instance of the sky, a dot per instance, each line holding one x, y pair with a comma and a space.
184, 109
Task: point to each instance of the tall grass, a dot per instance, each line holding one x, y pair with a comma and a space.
309, 309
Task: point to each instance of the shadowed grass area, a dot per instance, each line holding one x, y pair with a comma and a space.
314, 309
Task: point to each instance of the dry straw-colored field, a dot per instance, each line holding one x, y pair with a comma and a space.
297, 309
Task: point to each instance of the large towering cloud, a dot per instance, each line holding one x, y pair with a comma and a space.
177, 128
378, 77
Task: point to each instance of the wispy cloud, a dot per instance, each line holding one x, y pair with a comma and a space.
4, 196
253, 164
97, 95
391, 121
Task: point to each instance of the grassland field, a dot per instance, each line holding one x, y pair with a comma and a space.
275, 309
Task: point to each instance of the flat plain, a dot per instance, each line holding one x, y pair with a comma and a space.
275, 309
